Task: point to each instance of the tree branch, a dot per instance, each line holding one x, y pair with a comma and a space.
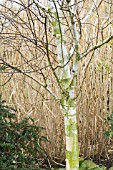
96, 47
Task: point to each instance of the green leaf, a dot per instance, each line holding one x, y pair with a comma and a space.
111, 133
81, 160
107, 134
83, 166
89, 163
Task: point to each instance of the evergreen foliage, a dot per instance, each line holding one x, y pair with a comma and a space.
109, 121
20, 142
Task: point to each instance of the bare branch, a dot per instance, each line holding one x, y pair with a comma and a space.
97, 46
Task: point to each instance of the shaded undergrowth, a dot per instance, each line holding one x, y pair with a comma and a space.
20, 142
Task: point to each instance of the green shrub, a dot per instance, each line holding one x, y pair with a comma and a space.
20, 142
109, 121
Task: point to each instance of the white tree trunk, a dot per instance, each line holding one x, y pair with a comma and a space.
67, 82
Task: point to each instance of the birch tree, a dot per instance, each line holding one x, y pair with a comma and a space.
62, 16
67, 80
68, 74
